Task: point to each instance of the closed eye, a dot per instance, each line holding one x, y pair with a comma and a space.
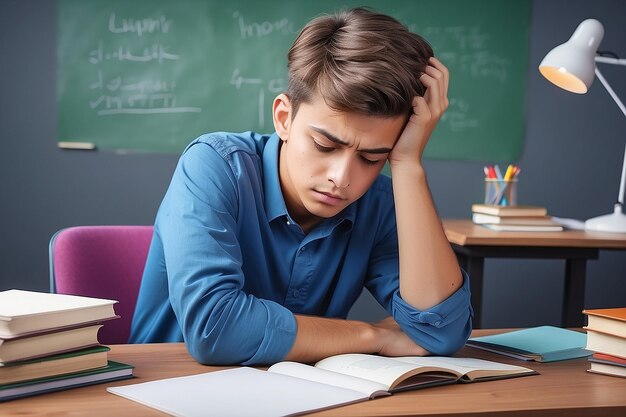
370, 161
327, 149
324, 149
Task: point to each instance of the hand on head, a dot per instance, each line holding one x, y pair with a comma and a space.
427, 111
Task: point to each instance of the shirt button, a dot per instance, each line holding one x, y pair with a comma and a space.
296, 293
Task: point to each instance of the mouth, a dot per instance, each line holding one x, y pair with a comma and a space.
331, 195
329, 198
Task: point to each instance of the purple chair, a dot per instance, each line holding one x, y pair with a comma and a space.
102, 262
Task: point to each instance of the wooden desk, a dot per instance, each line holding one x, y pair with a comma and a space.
473, 243
561, 389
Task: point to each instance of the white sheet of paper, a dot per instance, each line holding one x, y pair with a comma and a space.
237, 392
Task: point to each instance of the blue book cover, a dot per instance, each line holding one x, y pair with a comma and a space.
541, 344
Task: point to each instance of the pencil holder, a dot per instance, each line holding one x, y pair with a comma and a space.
501, 192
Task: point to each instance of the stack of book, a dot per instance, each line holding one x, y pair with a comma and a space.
606, 337
49, 342
514, 218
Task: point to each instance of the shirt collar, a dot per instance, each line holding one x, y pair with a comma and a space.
274, 200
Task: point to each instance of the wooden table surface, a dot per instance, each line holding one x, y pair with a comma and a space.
463, 232
561, 389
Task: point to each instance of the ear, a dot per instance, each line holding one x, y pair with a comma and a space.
282, 116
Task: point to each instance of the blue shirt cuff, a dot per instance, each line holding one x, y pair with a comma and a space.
441, 329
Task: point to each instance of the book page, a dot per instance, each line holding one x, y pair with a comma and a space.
471, 367
237, 392
381, 369
19, 303
311, 373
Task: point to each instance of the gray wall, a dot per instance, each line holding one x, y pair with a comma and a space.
571, 163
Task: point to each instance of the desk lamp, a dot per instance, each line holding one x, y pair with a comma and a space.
571, 66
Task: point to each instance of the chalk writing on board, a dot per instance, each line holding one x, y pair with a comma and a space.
262, 87
457, 116
155, 52
259, 29
134, 91
274, 86
470, 54
138, 26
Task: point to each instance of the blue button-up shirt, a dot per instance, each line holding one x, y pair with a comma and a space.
228, 267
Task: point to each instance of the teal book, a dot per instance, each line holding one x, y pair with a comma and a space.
541, 344
112, 372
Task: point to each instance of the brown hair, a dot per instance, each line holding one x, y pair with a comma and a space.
358, 61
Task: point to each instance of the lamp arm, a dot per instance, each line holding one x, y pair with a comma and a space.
609, 60
605, 83
620, 195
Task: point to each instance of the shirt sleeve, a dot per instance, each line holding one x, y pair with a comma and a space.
197, 221
442, 329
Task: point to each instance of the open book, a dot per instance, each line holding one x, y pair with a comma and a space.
408, 372
289, 388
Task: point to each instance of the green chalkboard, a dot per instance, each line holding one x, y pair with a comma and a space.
151, 75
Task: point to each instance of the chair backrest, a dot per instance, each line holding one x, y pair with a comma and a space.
102, 262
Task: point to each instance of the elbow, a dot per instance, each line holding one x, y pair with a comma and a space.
246, 331
211, 350
442, 339
234, 345
219, 340
216, 336
449, 339
445, 347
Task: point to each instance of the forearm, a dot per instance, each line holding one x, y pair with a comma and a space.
429, 272
319, 338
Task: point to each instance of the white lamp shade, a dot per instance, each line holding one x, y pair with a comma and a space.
571, 65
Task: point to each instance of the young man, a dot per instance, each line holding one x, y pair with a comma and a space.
263, 243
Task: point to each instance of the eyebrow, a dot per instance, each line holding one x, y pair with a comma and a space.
339, 141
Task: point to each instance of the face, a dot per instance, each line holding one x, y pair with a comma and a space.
329, 159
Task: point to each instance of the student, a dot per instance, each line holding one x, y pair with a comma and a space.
263, 242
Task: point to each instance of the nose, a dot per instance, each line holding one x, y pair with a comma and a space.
339, 172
